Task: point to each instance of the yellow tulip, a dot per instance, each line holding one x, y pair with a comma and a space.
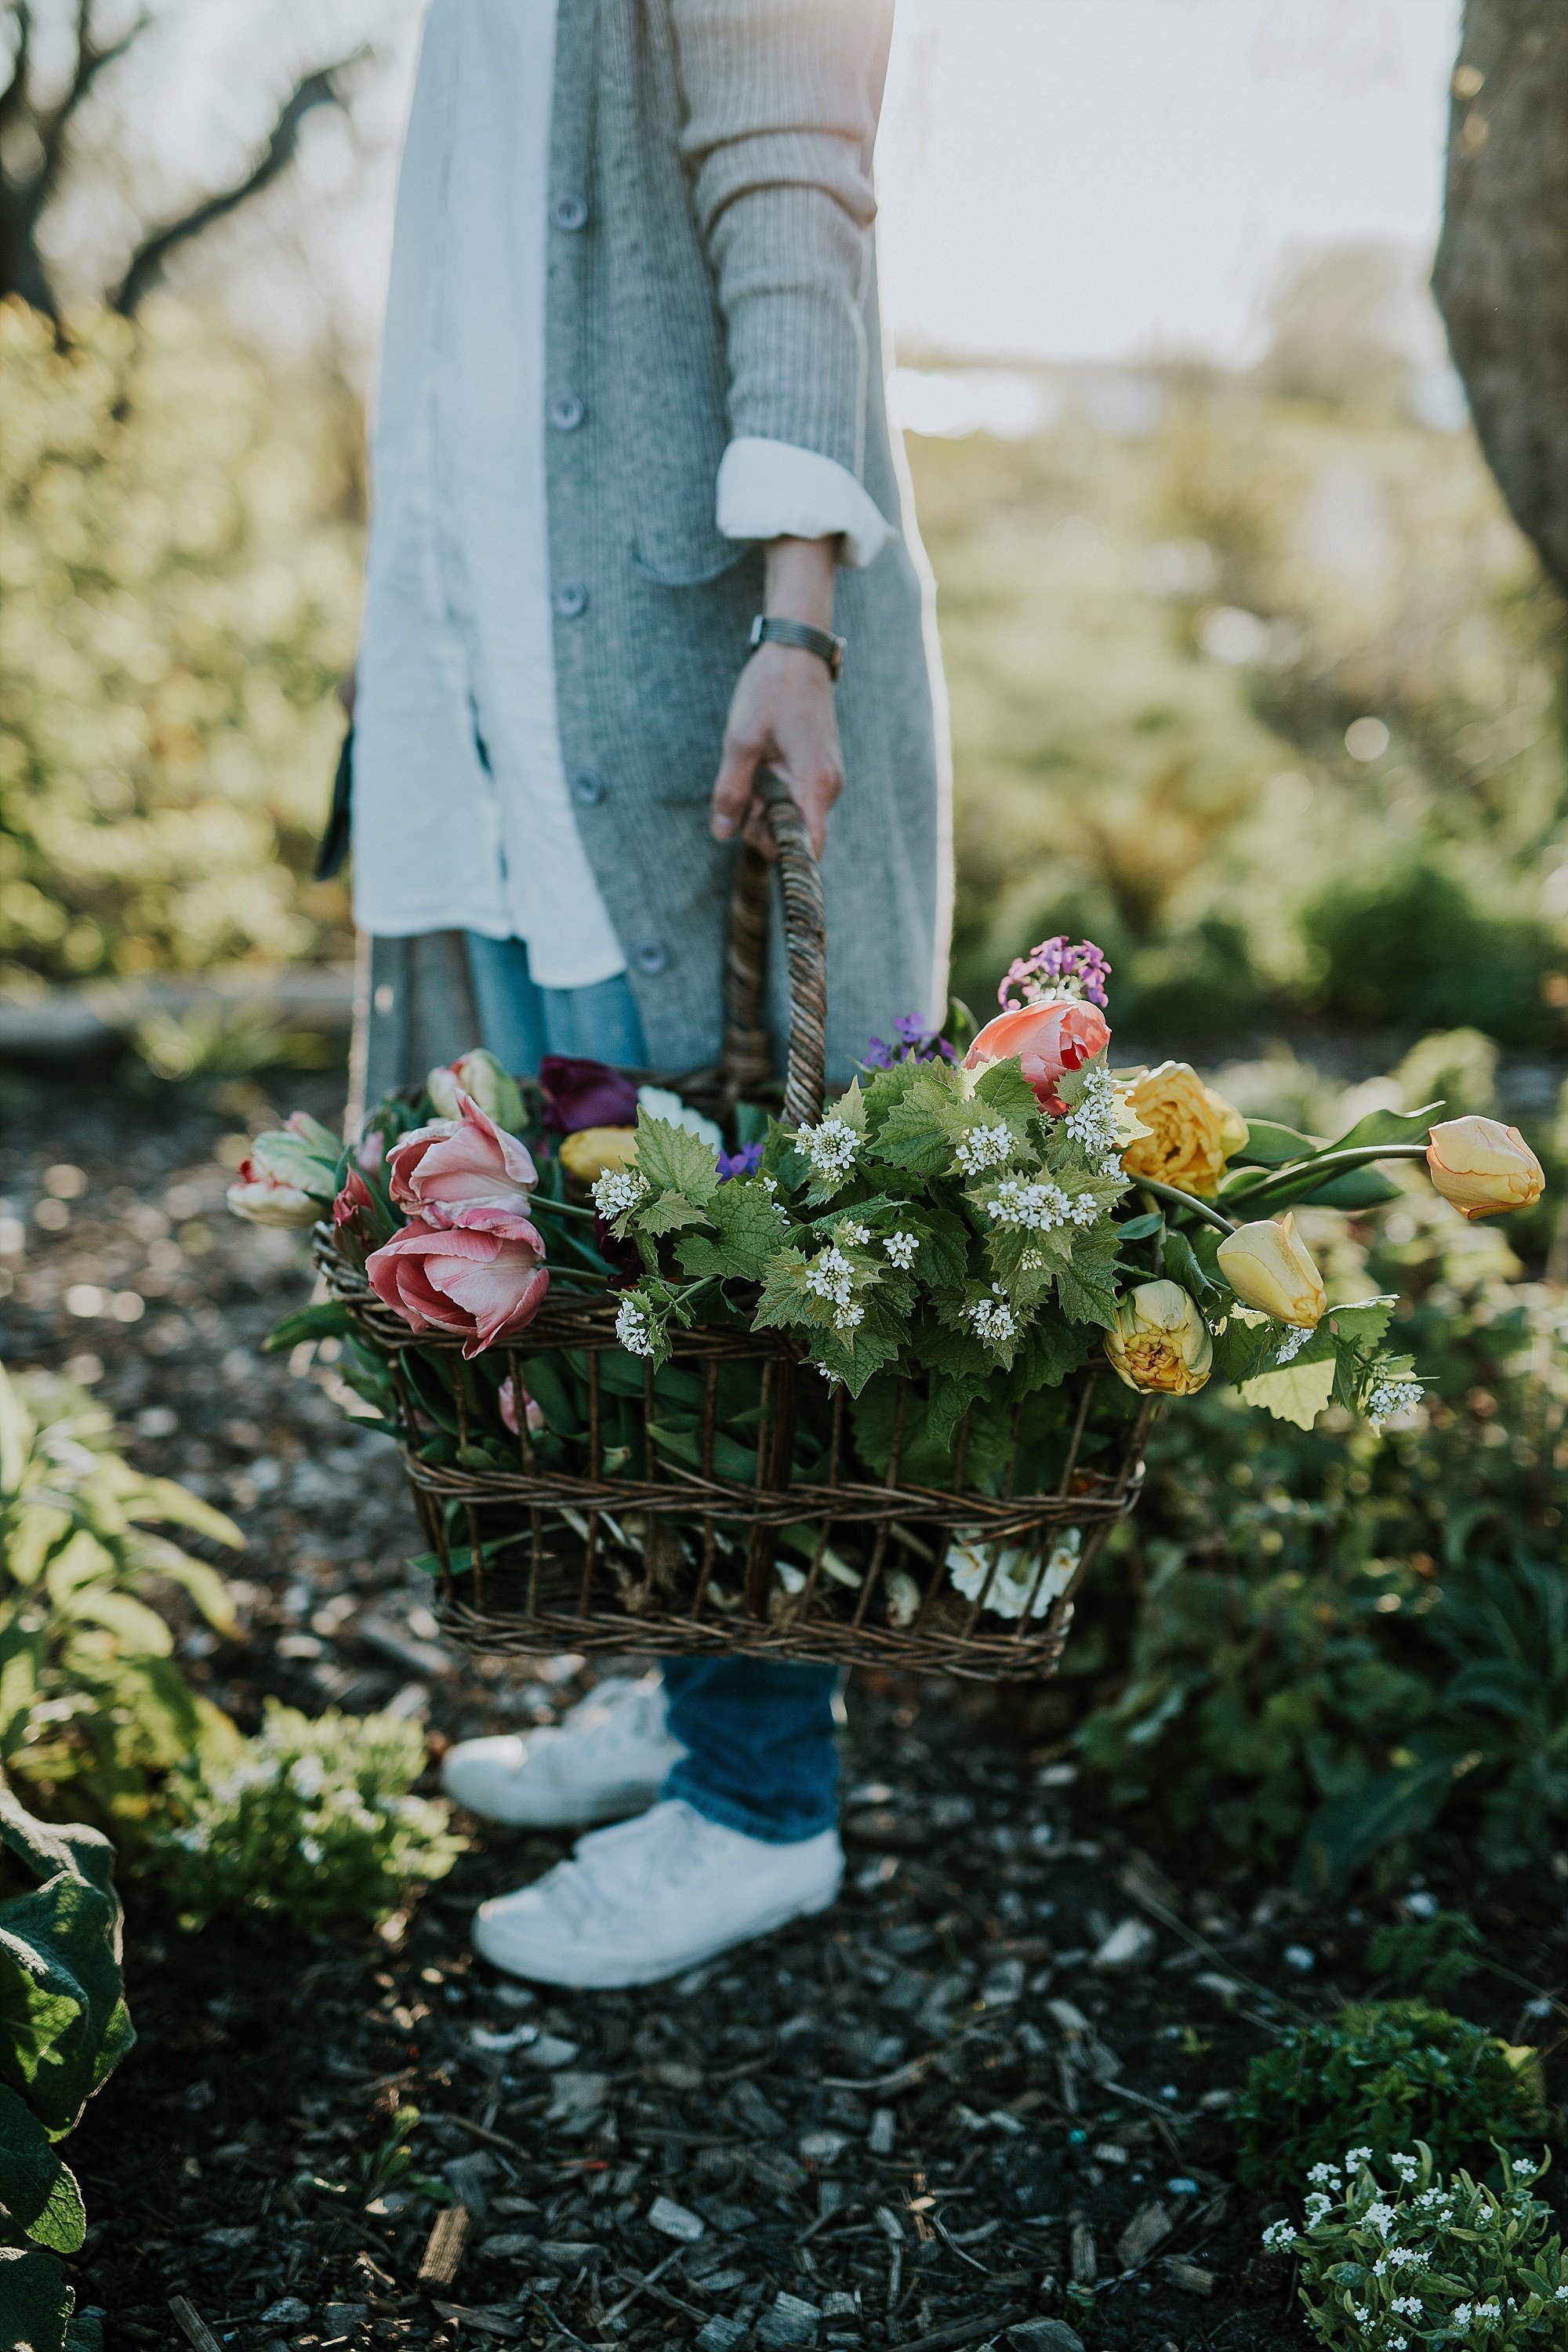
1268, 1267
1161, 1341
1483, 1167
1191, 1132
593, 1152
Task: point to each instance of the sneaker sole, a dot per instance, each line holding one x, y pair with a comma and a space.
602, 1973
624, 1809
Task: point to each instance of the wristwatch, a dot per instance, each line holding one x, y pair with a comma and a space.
767, 629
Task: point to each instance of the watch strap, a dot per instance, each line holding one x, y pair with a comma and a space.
770, 629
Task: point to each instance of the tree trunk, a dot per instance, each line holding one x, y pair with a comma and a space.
1501, 271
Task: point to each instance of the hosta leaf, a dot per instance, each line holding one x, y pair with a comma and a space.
34, 2301
38, 2193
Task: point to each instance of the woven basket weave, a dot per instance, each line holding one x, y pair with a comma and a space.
675, 1560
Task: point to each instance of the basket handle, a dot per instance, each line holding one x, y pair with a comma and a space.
747, 1055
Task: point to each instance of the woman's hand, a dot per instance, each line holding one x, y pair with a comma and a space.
782, 715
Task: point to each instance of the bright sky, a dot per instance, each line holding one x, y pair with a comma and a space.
1100, 179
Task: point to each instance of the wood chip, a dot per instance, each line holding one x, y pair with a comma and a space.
1148, 2226
1085, 2261
1188, 2277
444, 2248
193, 2324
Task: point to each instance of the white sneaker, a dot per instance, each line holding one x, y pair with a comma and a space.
652, 1897
608, 1757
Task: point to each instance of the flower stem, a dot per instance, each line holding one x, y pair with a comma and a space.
1329, 1164
1178, 1199
562, 1208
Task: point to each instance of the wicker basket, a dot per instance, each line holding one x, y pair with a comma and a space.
681, 1561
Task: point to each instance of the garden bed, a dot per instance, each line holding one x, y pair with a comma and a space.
1002, 2063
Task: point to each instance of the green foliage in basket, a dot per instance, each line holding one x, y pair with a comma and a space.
1429, 2261
312, 1822
1386, 2072
64, 2027
91, 1696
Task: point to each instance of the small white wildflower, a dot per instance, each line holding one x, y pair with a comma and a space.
980, 1148
633, 1328
1462, 2314
830, 1276
1323, 2172
849, 1318
616, 1190
312, 1849
1278, 2235
902, 1247
1407, 2258
1397, 2343
307, 1776
1407, 2305
1561, 2295
1379, 2268
1523, 2170
830, 1147
1291, 1346
1407, 2166
1360, 2314
1357, 2155
1386, 1398
1316, 2206
853, 1236
834, 1380
992, 1320
1381, 2217
1490, 2309
1097, 1120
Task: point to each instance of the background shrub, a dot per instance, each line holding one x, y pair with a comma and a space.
1384, 2075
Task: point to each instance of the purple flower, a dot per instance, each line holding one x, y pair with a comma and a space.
1054, 972
744, 1162
579, 1094
918, 1042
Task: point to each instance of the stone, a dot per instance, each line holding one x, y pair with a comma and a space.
883, 2132
788, 2320
342, 2318
1148, 2226
820, 2146
1130, 1945
1044, 2336
673, 2221
753, 2112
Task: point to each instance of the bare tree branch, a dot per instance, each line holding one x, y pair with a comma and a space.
26, 189
147, 263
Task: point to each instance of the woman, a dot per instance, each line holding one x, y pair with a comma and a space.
632, 419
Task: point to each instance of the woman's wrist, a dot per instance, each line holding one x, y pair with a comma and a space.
799, 578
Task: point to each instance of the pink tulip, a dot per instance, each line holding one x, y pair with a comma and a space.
486, 1284
353, 1214
462, 1171
508, 1402
1048, 1039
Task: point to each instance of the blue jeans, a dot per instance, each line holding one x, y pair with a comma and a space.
761, 1737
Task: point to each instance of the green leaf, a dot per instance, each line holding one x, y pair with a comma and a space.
1387, 1127
326, 1319
1358, 1188
15, 1435
161, 1499
750, 1229
138, 1629
38, 2193
1180, 1263
918, 1129
674, 1160
1295, 1394
63, 2021
205, 1586
1270, 1145
1345, 1833
34, 2301
1007, 1095
667, 1212
1138, 1229
1364, 1323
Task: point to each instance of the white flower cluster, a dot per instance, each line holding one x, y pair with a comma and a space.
634, 1326
1039, 1208
830, 1147
901, 1248
1381, 2217
1355, 2157
1407, 2258
831, 1277
1389, 1397
1278, 2235
992, 1320
980, 1148
1291, 1346
1318, 2204
1094, 1121
1407, 2166
853, 1236
1408, 2306
616, 1190
1322, 2173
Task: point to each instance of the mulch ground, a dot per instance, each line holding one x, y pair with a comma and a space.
984, 2097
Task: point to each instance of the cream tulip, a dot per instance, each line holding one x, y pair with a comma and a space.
1268, 1266
1161, 1341
595, 1151
1483, 1167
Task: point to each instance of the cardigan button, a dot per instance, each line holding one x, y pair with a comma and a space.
589, 789
570, 600
567, 413
570, 212
650, 956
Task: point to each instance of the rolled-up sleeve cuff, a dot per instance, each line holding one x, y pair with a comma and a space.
770, 490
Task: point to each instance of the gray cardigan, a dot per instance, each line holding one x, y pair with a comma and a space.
713, 275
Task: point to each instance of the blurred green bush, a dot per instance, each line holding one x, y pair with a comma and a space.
1157, 646
180, 532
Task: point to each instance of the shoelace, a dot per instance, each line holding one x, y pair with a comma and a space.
614, 1870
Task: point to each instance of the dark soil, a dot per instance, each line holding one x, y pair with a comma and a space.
988, 2088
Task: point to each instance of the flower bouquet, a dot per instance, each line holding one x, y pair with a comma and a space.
870, 1385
